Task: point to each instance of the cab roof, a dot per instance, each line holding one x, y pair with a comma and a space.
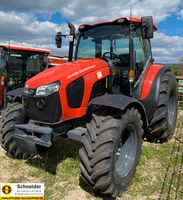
22, 48
116, 21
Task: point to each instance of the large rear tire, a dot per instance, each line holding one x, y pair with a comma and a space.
164, 121
15, 148
110, 152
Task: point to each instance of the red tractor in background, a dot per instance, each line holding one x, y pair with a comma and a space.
17, 65
112, 88
55, 60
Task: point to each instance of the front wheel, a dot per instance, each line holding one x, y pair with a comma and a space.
15, 148
110, 152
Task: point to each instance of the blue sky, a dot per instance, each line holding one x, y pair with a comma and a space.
171, 26
35, 23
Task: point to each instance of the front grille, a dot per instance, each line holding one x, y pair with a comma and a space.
44, 109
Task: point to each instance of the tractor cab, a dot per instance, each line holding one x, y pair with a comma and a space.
123, 43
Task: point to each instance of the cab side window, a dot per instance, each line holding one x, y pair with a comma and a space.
143, 53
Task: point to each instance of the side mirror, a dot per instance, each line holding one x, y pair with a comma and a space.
147, 27
58, 39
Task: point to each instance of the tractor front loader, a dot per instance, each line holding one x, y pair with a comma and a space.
113, 88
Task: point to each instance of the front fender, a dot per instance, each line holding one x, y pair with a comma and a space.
122, 103
15, 95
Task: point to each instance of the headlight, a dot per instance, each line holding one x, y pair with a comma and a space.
46, 90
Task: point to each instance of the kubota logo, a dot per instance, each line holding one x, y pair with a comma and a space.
6, 189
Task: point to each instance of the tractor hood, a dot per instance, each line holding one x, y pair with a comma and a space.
66, 72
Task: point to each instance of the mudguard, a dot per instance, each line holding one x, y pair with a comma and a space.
122, 103
16, 92
150, 99
15, 95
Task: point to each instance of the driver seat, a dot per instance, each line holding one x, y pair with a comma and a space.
124, 61
124, 67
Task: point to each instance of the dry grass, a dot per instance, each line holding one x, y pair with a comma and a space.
159, 174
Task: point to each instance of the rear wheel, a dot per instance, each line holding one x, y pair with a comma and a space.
15, 148
164, 121
110, 152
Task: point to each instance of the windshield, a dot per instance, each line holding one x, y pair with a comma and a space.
23, 65
99, 40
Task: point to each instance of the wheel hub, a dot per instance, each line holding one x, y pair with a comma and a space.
126, 152
171, 108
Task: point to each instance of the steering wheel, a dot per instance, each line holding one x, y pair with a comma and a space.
110, 55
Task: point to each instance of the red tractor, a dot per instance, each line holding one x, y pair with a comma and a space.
17, 64
108, 96
55, 60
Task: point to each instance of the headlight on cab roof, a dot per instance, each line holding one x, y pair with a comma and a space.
46, 90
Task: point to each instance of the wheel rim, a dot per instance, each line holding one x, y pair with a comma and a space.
126, 152
171, 108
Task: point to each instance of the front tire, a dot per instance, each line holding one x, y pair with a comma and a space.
110, 152
15, 148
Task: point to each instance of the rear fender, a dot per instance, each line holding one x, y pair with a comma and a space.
122, 103
149, 97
